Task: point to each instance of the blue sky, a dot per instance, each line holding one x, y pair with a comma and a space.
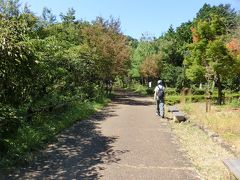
137, 16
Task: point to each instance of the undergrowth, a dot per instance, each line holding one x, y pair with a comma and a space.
31, 137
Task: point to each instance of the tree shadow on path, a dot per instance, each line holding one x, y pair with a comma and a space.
130, 98
80, 153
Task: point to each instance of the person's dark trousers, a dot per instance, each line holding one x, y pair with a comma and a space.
160, 108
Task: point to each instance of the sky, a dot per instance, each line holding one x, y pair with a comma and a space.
137, 17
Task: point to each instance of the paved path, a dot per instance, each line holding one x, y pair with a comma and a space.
124, 141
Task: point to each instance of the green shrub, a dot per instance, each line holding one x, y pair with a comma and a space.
9, 123
171, 100
138, 88
171, 92
45, 125
197, 98
235, 103
150, 91
198, 91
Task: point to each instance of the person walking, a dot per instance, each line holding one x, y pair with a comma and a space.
159, 96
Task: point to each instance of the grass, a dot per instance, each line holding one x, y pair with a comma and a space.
30, 138
205, 154
223, 120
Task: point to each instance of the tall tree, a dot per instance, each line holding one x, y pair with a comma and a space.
184, 34
233, 46
169, 45
224, 11
18, 61
209, 58
48, 17
9, 8
143, 50
151, 66
69, 17
110, 48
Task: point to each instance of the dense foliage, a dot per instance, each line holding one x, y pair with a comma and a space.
45, 63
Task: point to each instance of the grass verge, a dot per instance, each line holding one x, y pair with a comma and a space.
224, 120
205, 154
30, 138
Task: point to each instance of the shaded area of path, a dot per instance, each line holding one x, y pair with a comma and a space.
124, 141
76, 153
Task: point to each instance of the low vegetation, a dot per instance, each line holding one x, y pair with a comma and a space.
205, 154
44, 126
224, 120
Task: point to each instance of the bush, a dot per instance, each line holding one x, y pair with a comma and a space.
27, 138
9, 123
235, 103
150, 91
197, 98
171, 92
198, 91
171, 100
141, 89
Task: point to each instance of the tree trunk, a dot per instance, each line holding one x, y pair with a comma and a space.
208, 96
219, 85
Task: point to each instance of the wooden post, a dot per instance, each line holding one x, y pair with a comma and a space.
208, 102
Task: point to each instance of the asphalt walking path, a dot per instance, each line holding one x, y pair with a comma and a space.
126, 140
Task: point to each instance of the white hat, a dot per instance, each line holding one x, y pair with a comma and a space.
159, 81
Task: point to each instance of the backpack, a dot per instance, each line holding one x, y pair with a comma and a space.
160, 93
